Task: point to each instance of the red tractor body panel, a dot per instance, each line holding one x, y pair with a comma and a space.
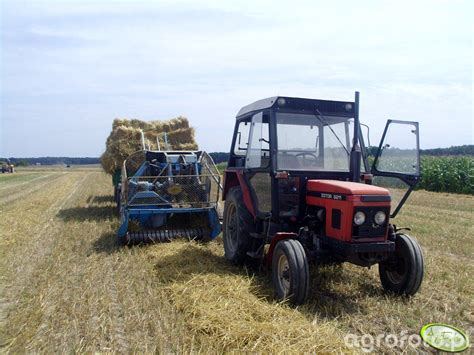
345, 187
340, 199
233, 178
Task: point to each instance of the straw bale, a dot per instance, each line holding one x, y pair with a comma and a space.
181, 136
186, 146
125, 139
120, 122
108, 163
156, 125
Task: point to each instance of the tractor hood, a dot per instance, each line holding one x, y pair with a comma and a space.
344, 188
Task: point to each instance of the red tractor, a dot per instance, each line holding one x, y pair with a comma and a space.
299, 190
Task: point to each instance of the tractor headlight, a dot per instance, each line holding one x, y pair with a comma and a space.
359, 218
380, 218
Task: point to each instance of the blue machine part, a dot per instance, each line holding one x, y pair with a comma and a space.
168, 185
145, 217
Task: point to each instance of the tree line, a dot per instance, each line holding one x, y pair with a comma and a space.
52, 161
222, 157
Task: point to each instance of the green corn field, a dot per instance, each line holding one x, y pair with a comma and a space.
447, 174
453, 174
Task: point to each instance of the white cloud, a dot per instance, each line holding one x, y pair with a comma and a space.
66, 63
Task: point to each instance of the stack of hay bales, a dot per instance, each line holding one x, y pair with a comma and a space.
126, 139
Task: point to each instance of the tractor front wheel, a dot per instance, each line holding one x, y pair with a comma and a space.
403, 272
238, 224
290, 271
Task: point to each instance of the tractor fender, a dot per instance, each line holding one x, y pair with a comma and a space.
276, 238
234, 178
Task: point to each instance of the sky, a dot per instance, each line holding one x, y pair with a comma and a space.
68, 68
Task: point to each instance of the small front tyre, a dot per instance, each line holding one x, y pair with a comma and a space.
402, 273
290, 272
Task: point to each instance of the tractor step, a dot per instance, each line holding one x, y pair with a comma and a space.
257, 235
165, 235
254, 255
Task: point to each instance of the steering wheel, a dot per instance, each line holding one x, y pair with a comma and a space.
303, 154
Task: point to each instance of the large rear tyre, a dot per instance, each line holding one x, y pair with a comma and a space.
238, 224
290, 271
402, 273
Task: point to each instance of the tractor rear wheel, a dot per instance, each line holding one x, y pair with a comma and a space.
402, 274
290, 271
238, 224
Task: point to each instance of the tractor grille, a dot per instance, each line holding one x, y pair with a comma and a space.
369, 229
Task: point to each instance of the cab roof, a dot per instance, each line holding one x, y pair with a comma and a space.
325, 107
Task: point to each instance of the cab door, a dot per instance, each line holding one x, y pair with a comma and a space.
396, 165
257, 163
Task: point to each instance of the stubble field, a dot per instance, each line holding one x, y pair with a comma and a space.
67, 287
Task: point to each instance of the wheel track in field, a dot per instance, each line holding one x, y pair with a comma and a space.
27, 269
15, 196
24, 182
118, 335
118, 323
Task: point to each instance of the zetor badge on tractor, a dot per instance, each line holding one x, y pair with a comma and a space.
299, 189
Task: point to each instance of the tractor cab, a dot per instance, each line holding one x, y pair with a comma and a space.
300, 179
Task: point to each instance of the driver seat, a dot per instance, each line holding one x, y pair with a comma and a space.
289, 161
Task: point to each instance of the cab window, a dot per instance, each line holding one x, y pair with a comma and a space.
258, 150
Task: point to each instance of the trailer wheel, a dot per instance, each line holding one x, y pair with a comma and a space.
402, 274
238, 224
290, 271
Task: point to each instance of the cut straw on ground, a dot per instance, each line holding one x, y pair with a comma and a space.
225, 305
67, 287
